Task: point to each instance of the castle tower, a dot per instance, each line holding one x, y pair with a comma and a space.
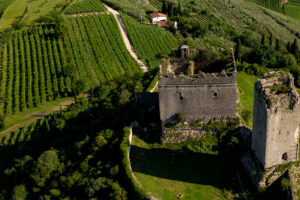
276, 119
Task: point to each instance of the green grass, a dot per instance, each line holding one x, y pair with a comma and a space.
165, 173
35, 9
246, 88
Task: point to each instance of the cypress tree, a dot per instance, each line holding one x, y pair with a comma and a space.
164, 7
271, 40
238, 50
277, 47
179, 8
170, 9
288, 47
263, 40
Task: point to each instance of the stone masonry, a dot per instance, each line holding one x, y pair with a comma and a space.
204, 97
276, 119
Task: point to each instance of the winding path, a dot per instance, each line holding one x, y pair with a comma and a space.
125, 37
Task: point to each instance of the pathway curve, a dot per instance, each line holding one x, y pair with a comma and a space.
125, 37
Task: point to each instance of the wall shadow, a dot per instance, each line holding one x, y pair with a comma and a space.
186, 166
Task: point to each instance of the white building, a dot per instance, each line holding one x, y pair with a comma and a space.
157, 17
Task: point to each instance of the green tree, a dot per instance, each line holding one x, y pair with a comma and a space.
79, 86
47, 163
179, 8
271, 40
164, 7
19, 192
288, 47
99, 142
295, 49
263, 40
170, 9
2, 121
277, 47
238, 51
124, 97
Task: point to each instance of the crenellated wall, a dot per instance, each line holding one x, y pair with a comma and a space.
203, 97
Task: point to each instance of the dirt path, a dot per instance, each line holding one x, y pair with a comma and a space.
125, 37
37, 115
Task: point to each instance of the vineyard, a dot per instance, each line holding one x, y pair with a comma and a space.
150, 42
95, 46
291, 9
32, 63
84, 6
3, 5
156, 3
31, 71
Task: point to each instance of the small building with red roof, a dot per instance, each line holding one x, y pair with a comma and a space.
157, 17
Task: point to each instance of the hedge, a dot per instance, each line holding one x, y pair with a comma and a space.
136, 190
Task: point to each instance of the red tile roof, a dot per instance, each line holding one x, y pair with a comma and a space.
153, 15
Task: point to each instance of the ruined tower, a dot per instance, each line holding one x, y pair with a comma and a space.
276, 119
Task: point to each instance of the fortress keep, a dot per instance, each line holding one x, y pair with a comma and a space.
276, 119
206, 96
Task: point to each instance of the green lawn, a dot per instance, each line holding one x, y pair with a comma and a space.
35, 9
246, 88
165, 173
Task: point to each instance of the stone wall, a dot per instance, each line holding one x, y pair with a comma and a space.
204, 97
276, 120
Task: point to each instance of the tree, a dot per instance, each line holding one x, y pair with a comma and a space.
2, 121
288, 47
277, 47
79, 86
179, 8
238, 50
164, 7
170, 9
19, 192
295, 49
47, 163
263, 40
99, 142
271, 40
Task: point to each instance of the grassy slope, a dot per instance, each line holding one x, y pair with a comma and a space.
36, 9
246, 89
165, 173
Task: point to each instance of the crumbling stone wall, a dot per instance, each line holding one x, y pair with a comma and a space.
276, 119
203, 97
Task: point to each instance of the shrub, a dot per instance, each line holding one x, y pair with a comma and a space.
246, 114
20, 192
285, 184
179, 118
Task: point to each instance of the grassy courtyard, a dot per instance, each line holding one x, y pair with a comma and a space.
246, 90
166, 172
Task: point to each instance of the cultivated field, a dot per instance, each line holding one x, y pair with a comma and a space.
149, 41
83, 6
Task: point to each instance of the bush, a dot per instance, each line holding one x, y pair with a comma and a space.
246, 114
285, 184
179, 118
20, 192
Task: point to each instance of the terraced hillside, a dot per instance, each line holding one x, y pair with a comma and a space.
33, 63
150, 42
83, 6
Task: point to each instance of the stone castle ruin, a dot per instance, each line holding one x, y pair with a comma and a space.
276, 119
205, 96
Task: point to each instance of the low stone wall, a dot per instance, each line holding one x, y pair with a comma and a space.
178, 135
